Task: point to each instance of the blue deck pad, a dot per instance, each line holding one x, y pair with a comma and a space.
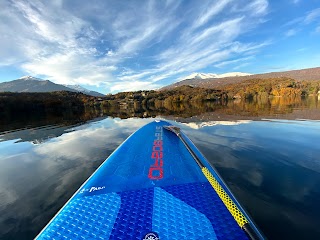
134, 218
203, 198
186, 211
85, 218
174, 219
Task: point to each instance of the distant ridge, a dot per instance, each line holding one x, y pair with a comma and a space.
303, 74
214, 75
30, 78
79, 88
32, 84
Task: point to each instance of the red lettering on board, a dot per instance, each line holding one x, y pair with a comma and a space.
156, 169
156, 154
157, 143
157, 148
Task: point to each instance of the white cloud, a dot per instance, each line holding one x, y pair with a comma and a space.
235, 61
132, 86
56, 44
92, 43
258, 7
298, 24
302, 49
308, 18
209, 12
291, 32
240, 66
110, 53
312, 16
71, 67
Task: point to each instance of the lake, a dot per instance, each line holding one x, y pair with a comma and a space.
267, 153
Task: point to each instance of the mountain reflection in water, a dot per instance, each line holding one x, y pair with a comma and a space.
272, 166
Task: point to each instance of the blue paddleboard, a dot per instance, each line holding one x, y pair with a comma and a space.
156, 185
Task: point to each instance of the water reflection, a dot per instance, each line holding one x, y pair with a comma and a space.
277, 107
36, 180
272, 166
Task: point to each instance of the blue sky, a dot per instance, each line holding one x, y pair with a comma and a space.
113, 46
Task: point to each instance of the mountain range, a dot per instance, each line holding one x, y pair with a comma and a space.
214, 75
32, 84
209, 80
204, 80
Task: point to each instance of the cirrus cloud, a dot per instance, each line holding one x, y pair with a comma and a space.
119, 45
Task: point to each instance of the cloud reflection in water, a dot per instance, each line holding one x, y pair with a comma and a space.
36, 180
273, 167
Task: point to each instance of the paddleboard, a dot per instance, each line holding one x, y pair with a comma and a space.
156, 185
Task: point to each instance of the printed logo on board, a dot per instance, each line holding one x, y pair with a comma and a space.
156, 169
151, 236
92, 189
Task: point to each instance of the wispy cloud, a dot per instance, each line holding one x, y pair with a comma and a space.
51, 42
233, 62
209, 12
312, 16
239, 66
291, 32
198, 48
296, 25
122, 46
133, 85
302, 49
307, 18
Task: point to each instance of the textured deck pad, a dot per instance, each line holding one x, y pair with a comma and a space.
149, 188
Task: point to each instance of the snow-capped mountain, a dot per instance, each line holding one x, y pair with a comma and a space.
214, 75
32, 84
30, 78
201, 76
79, 88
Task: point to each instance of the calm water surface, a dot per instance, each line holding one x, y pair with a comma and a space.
272, 167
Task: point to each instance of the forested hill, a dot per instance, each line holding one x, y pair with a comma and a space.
299, 75
77, 102
284, 87
246, 89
